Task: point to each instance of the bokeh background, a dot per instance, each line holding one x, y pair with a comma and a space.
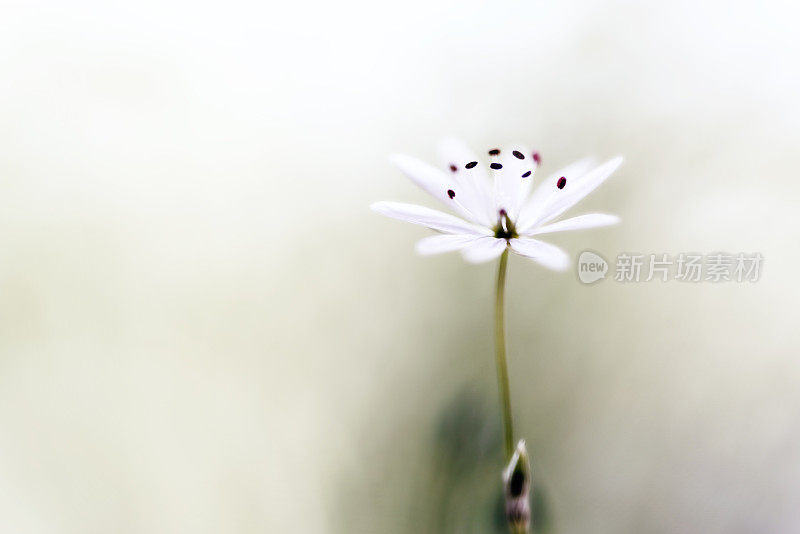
204, 329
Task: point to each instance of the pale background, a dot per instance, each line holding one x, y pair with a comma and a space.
204, 329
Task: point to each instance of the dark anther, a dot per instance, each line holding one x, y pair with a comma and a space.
494, 152
451, 193
471, 164
453, 168
537, 158
518, 154
502, 212
526, 174
561, 182
496, 166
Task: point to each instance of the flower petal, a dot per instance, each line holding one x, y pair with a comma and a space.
440, 184
543, 253
434, 219
581, 222
510, 186
576, 190
545, 192
437, 244
475, 182
483, 249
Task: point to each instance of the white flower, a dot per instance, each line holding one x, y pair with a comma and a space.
498, 213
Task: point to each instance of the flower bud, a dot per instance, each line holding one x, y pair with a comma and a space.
517, 484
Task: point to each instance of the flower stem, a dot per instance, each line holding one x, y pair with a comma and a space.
500, 356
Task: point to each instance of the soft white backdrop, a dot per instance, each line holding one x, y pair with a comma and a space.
204, 329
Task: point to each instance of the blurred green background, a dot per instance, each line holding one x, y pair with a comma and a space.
204, 329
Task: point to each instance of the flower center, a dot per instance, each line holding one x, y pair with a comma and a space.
504, 229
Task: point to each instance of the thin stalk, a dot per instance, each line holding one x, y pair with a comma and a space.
500, 356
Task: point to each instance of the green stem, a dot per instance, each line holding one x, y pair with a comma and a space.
500, 355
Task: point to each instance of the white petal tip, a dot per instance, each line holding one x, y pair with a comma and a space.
556, 267
483, 250
559, 264
428, 251
544, 254
422, 252
400, 160
378, 206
